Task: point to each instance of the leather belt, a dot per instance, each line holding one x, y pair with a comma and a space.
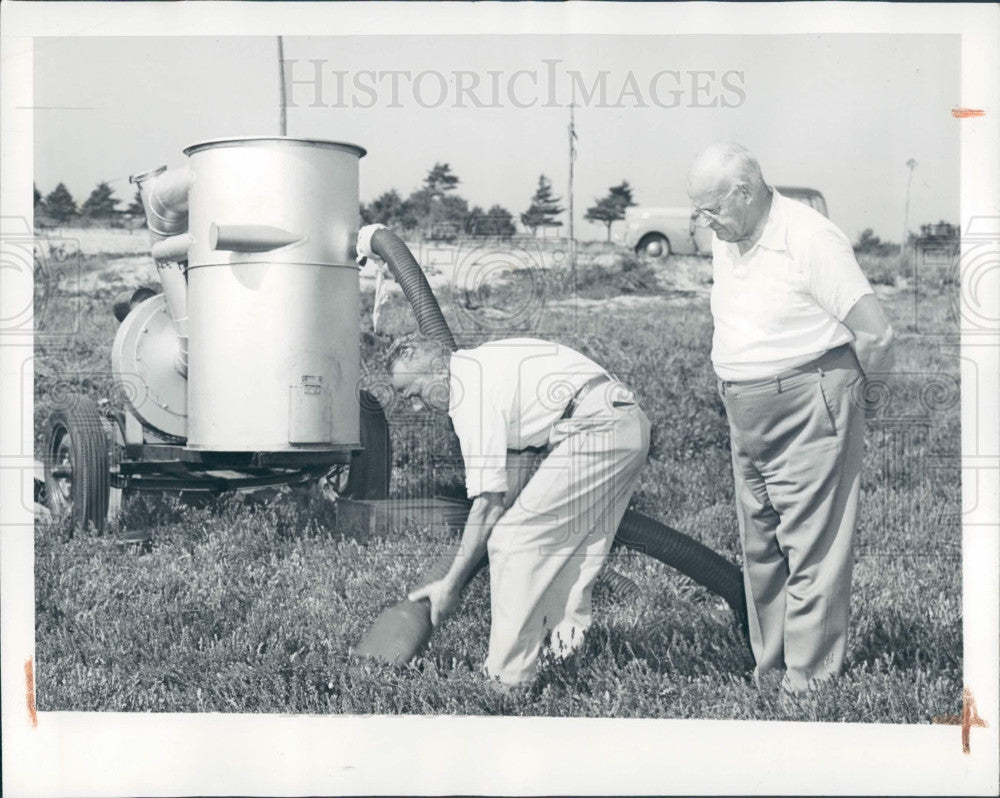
816, 364
582, 391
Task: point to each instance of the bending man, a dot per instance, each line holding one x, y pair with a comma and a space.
548, 533
796, 329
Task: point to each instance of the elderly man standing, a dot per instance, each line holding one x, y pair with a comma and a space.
546, 536
796, 329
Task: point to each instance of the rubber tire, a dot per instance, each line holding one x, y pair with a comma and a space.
114, 429
369, 474
650, 238
88, 456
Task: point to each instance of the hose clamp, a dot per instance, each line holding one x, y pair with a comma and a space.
365, 242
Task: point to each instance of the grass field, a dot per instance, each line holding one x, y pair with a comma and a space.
246, 605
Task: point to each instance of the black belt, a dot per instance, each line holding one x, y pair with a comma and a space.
582, 391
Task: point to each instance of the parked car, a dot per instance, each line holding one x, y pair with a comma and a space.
661, 232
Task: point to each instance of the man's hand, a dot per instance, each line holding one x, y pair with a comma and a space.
443, 596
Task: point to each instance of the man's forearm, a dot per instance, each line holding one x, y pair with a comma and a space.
874, 352
872, 335
483, 516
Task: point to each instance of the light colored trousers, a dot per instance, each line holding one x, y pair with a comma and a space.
546, 550
797, 448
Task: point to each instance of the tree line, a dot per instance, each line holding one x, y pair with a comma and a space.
436, 211
931, 234
101, 206
433, 211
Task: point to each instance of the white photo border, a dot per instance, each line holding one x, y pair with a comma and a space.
69, 753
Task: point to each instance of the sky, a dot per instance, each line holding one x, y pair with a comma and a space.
839, 112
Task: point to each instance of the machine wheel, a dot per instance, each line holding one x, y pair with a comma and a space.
114, 430
76, 464
368, 474
653, 245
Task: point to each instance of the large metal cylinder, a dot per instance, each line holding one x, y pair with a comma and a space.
273, 299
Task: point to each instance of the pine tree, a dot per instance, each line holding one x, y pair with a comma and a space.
135, 207
60, 204
611, 208
390, 209
496, 222
39, 204
440, 180
605, 211
440, 215
544, 207
101, 204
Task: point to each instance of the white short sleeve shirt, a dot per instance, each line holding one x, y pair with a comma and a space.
507, 395
782, 303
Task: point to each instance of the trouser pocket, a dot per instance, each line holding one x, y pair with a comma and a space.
826, 400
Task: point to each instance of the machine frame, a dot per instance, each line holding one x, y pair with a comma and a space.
96, 456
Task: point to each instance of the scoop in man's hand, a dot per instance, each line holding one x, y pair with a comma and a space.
399, 633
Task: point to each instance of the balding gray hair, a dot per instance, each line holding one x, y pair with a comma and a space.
406, 346
726, 161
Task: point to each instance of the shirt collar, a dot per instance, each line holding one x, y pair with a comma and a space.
775, 235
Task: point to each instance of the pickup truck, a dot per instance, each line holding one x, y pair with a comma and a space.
661, 232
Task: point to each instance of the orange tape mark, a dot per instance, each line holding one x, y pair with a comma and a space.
970, 718
29, 690
965, 113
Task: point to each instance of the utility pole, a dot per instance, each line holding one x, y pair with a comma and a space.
572, 158
912, 164
282, 110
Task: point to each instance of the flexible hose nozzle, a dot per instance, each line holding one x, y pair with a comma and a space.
364, 245
379, 241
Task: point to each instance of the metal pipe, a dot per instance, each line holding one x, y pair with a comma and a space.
173, 249
164, 195
174, 282
249, 237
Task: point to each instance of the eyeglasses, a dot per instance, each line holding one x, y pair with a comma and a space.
702, 216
